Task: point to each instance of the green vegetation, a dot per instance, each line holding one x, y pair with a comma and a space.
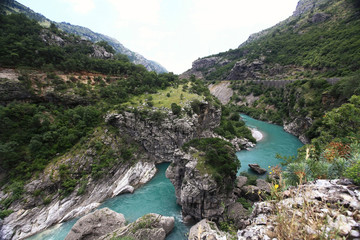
335, 152
51, 125
328, 48
335, 129
166, 97
218, 159
231, 126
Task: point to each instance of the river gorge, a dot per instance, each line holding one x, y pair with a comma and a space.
158, 195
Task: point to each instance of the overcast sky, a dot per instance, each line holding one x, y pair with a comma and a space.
173, 33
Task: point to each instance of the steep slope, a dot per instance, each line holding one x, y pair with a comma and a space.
321, 38
11, 6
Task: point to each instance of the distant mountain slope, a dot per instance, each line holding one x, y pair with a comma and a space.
11, 6
321, 38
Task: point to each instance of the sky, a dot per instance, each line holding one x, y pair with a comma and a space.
173, 33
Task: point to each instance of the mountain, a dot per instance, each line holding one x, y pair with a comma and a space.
11, 6
321, 38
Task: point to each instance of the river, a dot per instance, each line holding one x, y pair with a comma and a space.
158, 196
275, 140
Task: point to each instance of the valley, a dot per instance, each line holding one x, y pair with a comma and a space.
89, 132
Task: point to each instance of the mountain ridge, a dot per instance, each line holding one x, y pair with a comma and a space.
318, 40
12, 6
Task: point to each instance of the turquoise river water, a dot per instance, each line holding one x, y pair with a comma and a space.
158, 196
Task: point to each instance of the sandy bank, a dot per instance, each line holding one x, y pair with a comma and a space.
257, 134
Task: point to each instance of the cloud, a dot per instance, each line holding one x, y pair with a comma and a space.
81, 6
137, 11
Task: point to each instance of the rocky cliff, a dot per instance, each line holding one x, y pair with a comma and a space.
161, 137
199, 195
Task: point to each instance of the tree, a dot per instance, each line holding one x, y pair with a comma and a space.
176, 109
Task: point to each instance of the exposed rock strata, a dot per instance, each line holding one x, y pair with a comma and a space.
222, 91
159, 140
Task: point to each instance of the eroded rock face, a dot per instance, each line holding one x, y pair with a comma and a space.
298, 126
198, 194
161, 139
205, 63
336, 202
222, 91
96, 224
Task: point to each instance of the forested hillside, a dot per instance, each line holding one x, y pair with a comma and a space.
11, 6
62, 88
319, 40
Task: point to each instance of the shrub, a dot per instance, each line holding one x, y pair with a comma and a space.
176, 109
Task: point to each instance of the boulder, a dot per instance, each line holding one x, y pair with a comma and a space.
148, 227
236, 213
263, 185
96, 224
206, 230
256, 168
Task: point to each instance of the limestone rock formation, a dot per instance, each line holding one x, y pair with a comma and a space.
336, 202
149, 227
96, 224
198, 194
161, 139
222, 91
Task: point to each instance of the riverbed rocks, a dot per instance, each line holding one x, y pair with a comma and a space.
106, 224
96, 224
256, 168
149, 227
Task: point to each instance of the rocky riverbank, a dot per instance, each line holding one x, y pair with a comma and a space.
106, 224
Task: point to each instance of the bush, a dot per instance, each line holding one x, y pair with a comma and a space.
176, 109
